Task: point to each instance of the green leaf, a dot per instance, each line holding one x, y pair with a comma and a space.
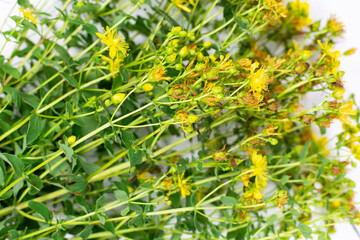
10, 70
70, 79
40, 208
271, 219
319, 172
69, 152
284, 179
340, 177
64, 55
72, 183
243, 23
15, 162
100, 201
305, 230
58, 235
125, 211
127, 137
152, 46
84, 234
31, 100
24, 3
91, 29
167, 17
109, 226
34, 129
323, 159
197, 224
304, 151
2, 173
15, 95
35, 182
121, 195
229, 201
295, 212
135, 157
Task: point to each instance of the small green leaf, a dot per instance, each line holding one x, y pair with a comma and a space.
84, 234
295, 212
121, 195
304, 151
271, 219
15, 95
69, 152
284, 179
70, 79
167, 17
100, 201
152, 46
229, 201
91, 29
15, 162
125, 211
40, 208
2, 173
135, 157
10, 70
243, 23
64, 55
34, 129
305, 230
323, 159
319, 172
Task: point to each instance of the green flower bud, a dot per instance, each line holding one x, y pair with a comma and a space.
176, 30
107, 102
184, 52
182, 34
179, 67
207, 44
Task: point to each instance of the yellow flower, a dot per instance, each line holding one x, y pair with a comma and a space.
259, 168
299, 11
28, 14
118, 98
114, 42
114, 64
147, 87
158, 74
71, 139
184, 186
345, 111
181, 4
332, 60
258, 81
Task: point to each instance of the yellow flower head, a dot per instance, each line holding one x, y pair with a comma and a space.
182, 4
158, 74
184, 186
259, 168
258, 81
28, 14
332, 57
115, 42
345, 111
114, 64
299, 11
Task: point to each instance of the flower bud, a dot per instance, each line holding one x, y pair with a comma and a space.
117, 98
273, 141
200, 57
179, 67
107, 102
71, 139
184, 52
182, 34
147, 87
171, 58
207, 44
176, 30
192, 52
192, 118
191, 36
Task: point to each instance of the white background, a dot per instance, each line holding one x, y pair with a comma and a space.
348, 12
